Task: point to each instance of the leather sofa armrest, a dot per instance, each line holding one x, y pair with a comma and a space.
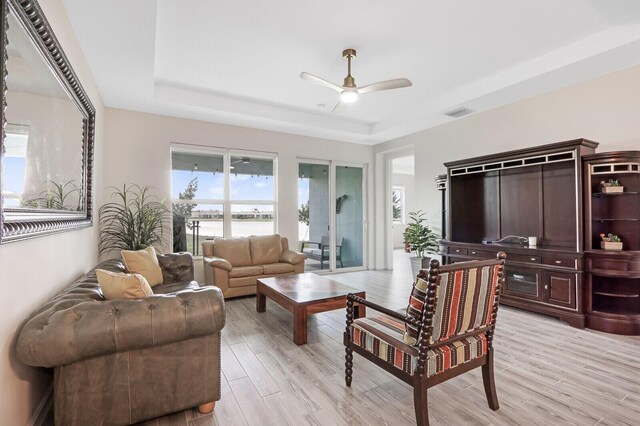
63, 335
218, 262
292, 257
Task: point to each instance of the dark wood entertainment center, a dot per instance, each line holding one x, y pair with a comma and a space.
550, 192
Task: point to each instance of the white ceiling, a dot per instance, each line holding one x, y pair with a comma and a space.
239, 62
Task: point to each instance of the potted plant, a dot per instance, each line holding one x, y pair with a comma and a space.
134, 221
421, 239
611, 186
610, 242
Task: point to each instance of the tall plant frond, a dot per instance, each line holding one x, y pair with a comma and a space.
133, 221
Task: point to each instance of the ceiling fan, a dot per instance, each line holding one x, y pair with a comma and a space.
349, 91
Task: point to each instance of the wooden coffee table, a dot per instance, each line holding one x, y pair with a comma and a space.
305, 294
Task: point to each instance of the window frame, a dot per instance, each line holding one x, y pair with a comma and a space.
226, 200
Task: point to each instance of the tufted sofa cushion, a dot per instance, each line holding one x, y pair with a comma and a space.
78, 323
176, 267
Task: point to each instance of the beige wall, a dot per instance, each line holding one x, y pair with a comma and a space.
604, 109
137, 151
31, 271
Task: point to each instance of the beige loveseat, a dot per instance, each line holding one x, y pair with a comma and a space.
234, 264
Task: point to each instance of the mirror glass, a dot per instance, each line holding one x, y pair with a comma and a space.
48, 133
42, 166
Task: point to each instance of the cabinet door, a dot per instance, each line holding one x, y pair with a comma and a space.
523, 282
560, 289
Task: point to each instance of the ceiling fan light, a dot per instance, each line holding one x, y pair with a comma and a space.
348, 96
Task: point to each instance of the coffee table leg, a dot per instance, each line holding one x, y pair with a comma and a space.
300, 325
261, 302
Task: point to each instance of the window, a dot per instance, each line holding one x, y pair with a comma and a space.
221, 193
397, 198
14, 164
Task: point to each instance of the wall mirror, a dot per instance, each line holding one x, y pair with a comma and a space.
48, 130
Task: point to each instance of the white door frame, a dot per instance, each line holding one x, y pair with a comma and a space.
384, 205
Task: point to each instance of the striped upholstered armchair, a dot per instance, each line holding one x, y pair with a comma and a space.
447, 329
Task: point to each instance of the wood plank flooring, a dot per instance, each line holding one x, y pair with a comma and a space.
547, 373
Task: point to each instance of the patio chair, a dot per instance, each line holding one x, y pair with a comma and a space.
447, 329
320, 251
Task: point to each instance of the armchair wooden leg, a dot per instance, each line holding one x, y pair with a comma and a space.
421, 403
207, 408
348, 365
489, 382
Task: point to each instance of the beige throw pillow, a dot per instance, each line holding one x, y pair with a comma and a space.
117, 285
145, 263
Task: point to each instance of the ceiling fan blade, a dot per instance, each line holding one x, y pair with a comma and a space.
322, 82
385, 85
340, 107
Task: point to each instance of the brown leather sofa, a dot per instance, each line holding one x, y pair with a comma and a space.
125, 361
234, 264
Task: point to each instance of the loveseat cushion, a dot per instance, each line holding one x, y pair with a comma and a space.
279, 268
246, 271
235, 250
265, 249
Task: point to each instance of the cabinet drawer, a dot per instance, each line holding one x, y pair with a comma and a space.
457, 250
483, 254
560, 260
524, 258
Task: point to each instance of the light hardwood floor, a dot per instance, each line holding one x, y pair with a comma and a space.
547, 373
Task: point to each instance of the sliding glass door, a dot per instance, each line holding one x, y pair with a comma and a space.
331, 211
349, 190
314, 220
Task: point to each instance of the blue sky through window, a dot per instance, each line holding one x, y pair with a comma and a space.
211, 186
13, 175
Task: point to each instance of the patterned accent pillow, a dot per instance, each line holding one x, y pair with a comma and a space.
414, 310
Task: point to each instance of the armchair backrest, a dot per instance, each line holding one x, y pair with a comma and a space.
454, 300
465, 298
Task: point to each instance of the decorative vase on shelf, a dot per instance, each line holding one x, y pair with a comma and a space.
612, 189
610, 245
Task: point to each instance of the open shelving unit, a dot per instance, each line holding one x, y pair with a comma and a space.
612, 277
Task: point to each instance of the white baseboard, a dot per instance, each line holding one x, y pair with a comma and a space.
43, 411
